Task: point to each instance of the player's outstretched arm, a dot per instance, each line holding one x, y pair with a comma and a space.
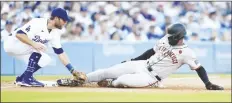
204, 77
146, 55
65, 60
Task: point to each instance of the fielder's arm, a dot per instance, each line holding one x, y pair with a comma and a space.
23, 38
78, 76
64, 58
146, 55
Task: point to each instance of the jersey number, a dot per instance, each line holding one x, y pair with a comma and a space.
28, 28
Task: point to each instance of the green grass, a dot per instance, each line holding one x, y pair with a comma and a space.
27, 96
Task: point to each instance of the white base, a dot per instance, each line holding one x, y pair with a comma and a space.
49, 83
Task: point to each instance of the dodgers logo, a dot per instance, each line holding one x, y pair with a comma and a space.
38, 39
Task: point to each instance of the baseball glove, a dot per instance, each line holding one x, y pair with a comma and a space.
68, 82
79, 76
210, 86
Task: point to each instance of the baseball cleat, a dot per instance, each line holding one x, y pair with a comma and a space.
105, 83
31, 82
18, 81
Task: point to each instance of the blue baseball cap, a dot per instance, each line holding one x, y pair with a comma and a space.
9, 22
84, 9
61, 13
27, 7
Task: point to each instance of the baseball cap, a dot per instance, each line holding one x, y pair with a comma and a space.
194, 34
9, 22
27, 7
83, 9
61, 13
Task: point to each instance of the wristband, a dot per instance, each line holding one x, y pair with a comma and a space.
70, 67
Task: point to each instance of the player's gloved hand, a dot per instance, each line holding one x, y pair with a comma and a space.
79, 76
210, 86
70, 82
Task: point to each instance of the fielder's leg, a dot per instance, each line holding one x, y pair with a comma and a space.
115, 71
35, 62
27, 54
32, 67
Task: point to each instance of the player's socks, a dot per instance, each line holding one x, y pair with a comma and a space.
32, 65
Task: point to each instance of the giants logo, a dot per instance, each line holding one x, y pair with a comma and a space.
37, 39
169, 53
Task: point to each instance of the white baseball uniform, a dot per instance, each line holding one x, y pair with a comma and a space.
36, 30
165, 61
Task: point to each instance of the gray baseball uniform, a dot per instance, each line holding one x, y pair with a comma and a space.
165, 61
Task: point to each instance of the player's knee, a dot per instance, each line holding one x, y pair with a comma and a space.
44, 60
119, 81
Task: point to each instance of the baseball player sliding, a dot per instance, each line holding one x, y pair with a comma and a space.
28, 44
169, 54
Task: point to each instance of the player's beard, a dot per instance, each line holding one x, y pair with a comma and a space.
58, 26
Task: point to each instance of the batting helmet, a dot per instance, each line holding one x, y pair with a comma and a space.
61, 13
176, 31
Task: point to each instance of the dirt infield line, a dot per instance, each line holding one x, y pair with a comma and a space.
4, 87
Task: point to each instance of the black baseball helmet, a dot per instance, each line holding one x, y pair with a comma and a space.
176, 31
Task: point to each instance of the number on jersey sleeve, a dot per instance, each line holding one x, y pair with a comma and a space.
32, 27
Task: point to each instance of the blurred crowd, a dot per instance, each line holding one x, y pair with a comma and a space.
126, 21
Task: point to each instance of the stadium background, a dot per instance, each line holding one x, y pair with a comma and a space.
105, 33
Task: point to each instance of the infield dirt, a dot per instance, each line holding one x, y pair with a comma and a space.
188, 84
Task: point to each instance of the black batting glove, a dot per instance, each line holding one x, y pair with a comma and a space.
210, 86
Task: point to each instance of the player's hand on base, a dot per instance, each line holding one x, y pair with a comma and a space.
210, 86
39, 47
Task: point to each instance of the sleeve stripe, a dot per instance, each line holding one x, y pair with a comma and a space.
58, 50
21, 32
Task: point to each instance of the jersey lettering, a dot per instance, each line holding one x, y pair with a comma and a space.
37, 39
169, 53
173, 56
